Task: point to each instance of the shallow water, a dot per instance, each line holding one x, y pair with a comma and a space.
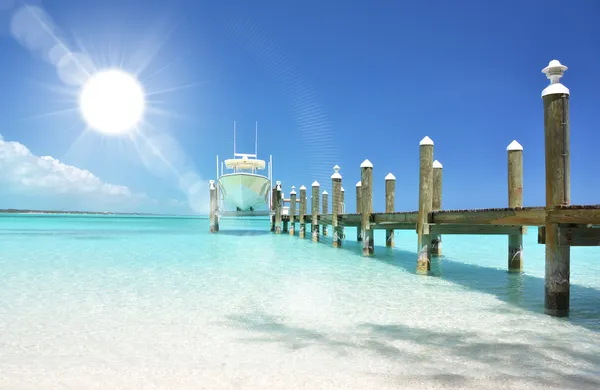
146, 303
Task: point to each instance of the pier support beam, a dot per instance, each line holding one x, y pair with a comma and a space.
336, 185
425, 204
390, 198
292, 211
214, 208
315, 211
273, 203
556, 137
515, 200
358, 203
278, 202
366, 207
324, 209
436, 205
302, 232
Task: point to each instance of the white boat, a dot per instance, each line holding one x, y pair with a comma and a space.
243, 189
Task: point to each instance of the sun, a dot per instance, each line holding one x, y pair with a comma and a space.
112, 102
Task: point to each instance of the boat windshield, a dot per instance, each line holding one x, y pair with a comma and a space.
244, 164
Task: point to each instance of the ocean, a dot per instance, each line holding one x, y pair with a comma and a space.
128, 302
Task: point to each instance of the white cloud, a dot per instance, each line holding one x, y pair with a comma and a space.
23, 172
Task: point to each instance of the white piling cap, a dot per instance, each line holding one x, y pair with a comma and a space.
359, 184
514, 146
293, 191
366, 164
426, 141
302, 188
315, 184
325, 193
342, 189
390, 176
211, 184
336, 175
437, 164
554, 71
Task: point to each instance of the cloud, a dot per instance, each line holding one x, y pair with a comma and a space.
23, 172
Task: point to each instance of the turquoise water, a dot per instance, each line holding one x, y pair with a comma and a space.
155, 302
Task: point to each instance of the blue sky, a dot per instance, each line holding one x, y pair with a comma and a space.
328, 82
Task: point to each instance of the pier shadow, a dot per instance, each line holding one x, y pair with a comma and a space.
542, 359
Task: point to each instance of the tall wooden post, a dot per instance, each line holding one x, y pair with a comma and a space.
425, 204
390, 198
278, 203
366, 208
292, 210
273, 206
336, 185
358, 204
214, 208
342, 211
436, 205
302, 232
315, 211
556, 137
324, 209
515, 200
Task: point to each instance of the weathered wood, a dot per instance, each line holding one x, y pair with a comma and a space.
578, 236
292, 212
390, 199
342, 210
515, 200
213, 208
436, 204
366, 208
425, 203
394, 226
532, 216
324, 210
358, 203
278, 204
397, 217
556, 140
336, 185
475, 229
273, 205
315, 211
575, 214
302, 215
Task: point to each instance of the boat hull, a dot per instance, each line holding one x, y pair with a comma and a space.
244, 191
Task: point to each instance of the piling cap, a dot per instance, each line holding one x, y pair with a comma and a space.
554, 71
366, 164
315, 184
293, 191
426, 141
325, 193
514, 146
302, 188
211, 184
342, 189
390, 177
359, 184
336, 174
437, 164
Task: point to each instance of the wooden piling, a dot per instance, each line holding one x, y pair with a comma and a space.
390, 196
315, 211
366, 208
342, 211
425, 204
278, 204
324, 209
515, 200
273, 205
213, 208
336, 185
302, 232
556, 137
292, 211
436, 205
358, 203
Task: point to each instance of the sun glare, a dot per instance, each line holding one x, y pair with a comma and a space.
112, 102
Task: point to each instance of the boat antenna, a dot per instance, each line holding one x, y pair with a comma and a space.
234, 138
256, 141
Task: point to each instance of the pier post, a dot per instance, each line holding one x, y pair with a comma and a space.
214, 207
324, 209
278, 203
342, 211
556, 137
302, 232
292, 210
515, 200
390, 198
315, 211
436, 205
425, 203
273, 204
358, 203
366, 208
336, 185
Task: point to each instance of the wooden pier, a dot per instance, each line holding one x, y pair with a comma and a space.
560, 224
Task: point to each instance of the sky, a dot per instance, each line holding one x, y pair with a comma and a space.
328, 82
